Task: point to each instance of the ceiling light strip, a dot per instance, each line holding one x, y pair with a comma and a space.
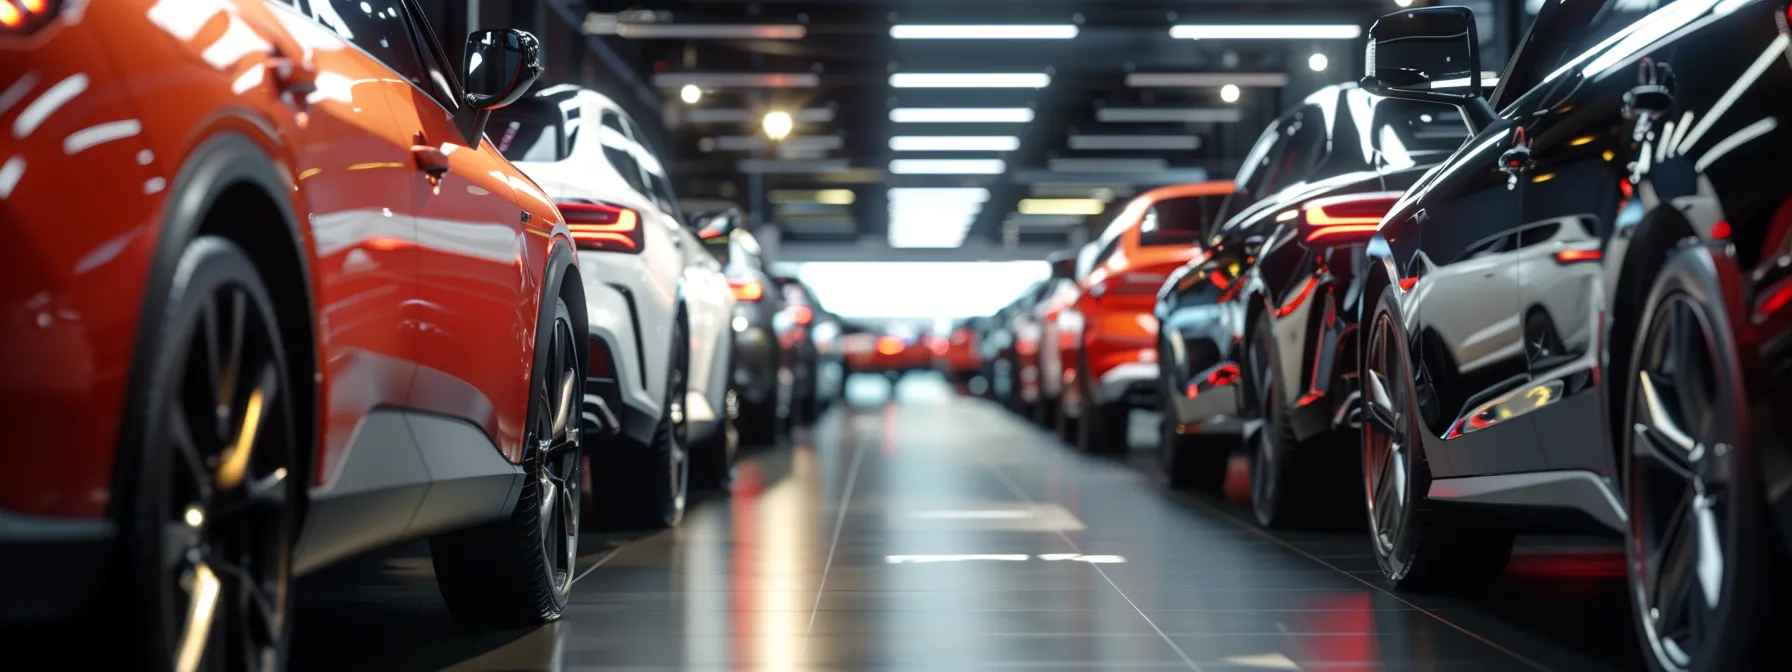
1266, 32
961, 115
954, 143
1205, 79
991, 32
970, 80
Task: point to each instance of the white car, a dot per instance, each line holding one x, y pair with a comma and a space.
658, 304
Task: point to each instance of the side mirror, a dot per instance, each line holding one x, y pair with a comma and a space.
1431, 54
500, 67
713, 228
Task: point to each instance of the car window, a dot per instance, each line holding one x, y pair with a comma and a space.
1294, 160
531, 129
1176, 221
1256, 164
1407, 133
439, 68
1562, 33
619, 150
377, 27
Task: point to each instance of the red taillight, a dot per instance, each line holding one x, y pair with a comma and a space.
802, 315
889, 345
25, 15
746, 290
1345, 220
602, 227
1572, 255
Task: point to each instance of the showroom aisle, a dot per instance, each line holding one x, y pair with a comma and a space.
930, 533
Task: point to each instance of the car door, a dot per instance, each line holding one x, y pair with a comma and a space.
353, 163
707, 299
1462, 309
480, 253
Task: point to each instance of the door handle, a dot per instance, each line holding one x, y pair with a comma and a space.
431, 160
296, 77
1515, 160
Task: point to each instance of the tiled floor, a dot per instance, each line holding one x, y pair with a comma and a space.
936, 533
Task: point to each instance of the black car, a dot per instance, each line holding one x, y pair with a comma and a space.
1580, 319
803, 354
757, 392
1256, 336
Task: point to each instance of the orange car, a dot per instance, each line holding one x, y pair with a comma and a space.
1111, 366
270, 299
886, 354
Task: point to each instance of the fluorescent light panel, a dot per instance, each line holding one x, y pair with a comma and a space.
1184, 115
763, 166
736, 115
695, 31
1205, 79
1034, 32
826, 196
1107, 165
954, 143
962, 194
1060, 206
738, 80
948, 166
970, 80
1266, 32
961, 115
1139, 142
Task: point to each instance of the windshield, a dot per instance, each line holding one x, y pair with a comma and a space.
529, 130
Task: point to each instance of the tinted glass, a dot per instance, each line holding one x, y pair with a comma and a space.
1295, 159
1410, 133
1176, 221
377, 27
619, 150
531, 129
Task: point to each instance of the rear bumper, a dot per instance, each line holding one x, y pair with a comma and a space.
1134, 384
1211, 400
50, 568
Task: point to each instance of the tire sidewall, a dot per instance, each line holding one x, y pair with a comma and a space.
1398, 562
1690, 271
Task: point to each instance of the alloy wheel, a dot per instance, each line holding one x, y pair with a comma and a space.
557, 437
1680, 476
1387, 436
227, 526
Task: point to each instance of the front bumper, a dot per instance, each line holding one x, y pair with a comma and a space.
50, 568
1212, 400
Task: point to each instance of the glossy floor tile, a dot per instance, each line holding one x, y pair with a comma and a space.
930, 532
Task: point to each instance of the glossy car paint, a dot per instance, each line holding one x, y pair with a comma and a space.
139, 87
1114, 336
1557, 257
642, 294
1260, 268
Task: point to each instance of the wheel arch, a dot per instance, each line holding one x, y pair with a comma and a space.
1655, 238
229, 187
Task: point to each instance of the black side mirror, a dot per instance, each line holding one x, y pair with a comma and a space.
1431, 54
713, 228
500, 67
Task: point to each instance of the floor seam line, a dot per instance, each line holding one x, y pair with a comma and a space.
852, 479
1372, 586
1018, 492
600, 562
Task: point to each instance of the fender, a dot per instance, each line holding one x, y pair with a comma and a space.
561, 262
225, 160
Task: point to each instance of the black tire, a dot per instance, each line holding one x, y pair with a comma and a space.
712, 459
758, 424
1294, 483
1418, 544
1692, 474
646, 489
1101, 429
217, 374
1192, 461
519, 571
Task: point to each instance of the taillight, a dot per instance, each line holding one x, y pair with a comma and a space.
24, 16
1345, 220
802, 315
889, 345
1128, 284
595, 226
1574, 254
746, 290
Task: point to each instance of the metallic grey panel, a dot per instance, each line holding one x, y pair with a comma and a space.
372, 497
1581, 490
470, 481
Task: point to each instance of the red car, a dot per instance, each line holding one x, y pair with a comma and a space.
271, 300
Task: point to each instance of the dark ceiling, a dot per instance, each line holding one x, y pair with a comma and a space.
839, 79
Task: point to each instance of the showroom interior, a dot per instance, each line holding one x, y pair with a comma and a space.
502, 335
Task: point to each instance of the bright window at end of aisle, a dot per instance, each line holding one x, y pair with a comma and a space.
938, 290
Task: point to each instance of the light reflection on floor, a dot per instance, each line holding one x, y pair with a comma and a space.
922, 530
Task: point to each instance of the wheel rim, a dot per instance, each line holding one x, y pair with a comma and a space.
1265, 459
226, 535
1680, 480
677, 390
1387, 435
556, 434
